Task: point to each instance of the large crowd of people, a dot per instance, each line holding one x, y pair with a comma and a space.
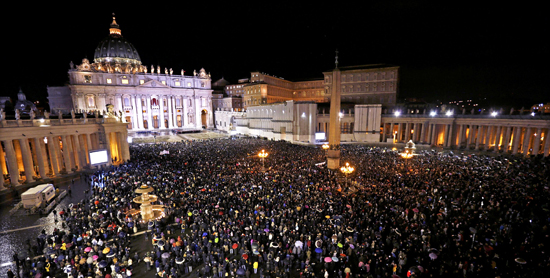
434, 215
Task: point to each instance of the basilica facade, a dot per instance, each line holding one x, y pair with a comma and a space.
145, 98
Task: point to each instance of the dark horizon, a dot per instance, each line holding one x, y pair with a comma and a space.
444, 52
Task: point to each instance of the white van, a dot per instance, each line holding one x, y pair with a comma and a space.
37, 195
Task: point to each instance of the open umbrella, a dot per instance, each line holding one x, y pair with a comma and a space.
299, 244
95, 257
235, 246
520, 261
318, 250
415, 209
102, 264
240, 271
433, 256
90, 260
87, 249
245, 256
111, 254
161, 243
335, 259
328, 260
106, 250
179, 260
165, 255
204, 234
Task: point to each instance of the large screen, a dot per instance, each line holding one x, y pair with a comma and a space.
99, 157
320, 136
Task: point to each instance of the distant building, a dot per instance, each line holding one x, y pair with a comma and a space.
541, 108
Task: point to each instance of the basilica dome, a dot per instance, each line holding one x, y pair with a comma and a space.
116, 49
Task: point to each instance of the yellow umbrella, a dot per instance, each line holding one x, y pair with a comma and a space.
327, 217
106, 250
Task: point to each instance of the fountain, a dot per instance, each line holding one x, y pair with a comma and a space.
147, 210
409, 150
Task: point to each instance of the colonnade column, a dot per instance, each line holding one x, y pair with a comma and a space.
497, 138
536, 144
407, 132
66, 156
161, 112
471, 135
39, 157
384, 131
526, 140
423, 133
149, 113
487, 138
547, 142
450, 136
170, 112
135, 121
139, 101
517, 137
2, 165
479, 136
175, 114
13, 168
461, 131
77, 148
53, 156
399, 131
27, 159
506, 142
434, 135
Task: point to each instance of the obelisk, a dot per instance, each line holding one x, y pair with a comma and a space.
333, 153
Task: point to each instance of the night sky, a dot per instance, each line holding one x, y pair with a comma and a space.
445, 51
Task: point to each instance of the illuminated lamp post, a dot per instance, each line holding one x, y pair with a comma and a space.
347, 170
263, 154
325, 147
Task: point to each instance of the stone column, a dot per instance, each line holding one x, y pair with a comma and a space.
170, 112
399, 132
124, 147
479, 136
149, 114
39, 158
89, 144
461, 131
516, 138
434, 135
333, 155
471, 135
407, 132
74, 161
161, 112
135, 121
3, 167
506, 141
488, 138
175, 114
108, 144
27, 159
430, 131
77, 147
526, 141
66, 155
450, 137
53, 156
546, 142
198, 109
536, 144
446, 136
423, 133
139, 112
13, 168
497, 139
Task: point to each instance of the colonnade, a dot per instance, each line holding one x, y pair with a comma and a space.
510, 135
39, 152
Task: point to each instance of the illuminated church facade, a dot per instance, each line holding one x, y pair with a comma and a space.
146, 98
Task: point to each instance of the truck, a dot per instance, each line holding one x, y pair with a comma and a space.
38, 196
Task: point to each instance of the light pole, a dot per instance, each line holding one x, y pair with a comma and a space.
347, 170
326, 147
263, 154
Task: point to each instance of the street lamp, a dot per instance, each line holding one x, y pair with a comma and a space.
347, 170
325, 147
263, 154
